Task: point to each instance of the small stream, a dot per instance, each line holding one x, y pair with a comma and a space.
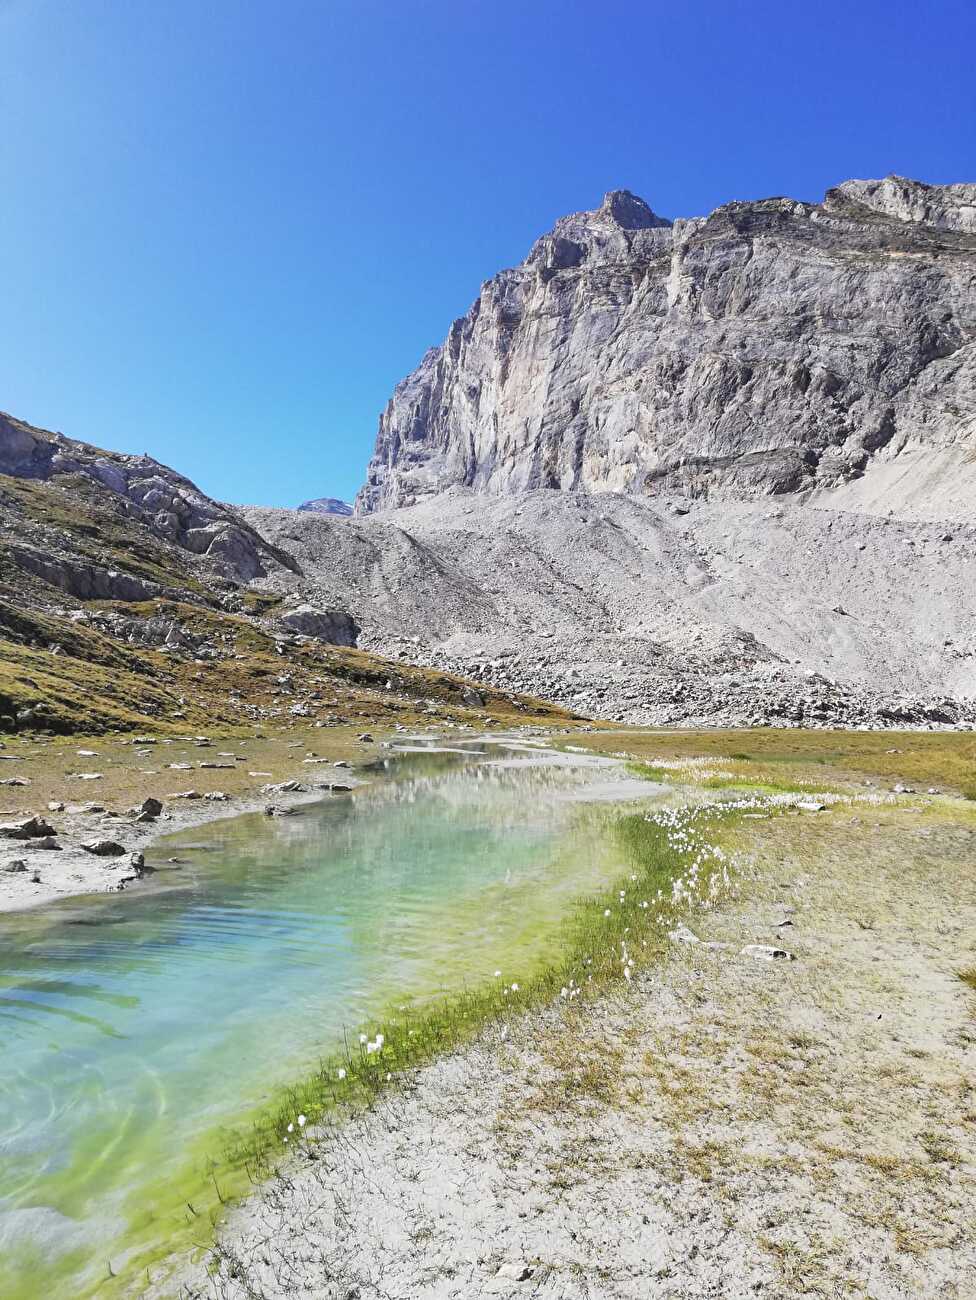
135, 1028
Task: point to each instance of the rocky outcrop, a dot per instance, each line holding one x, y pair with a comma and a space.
947, 207
171, 507
773, 347
82, 580
331, 625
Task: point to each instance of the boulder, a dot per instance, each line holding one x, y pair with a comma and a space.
104, 848
26, 829
681, 934
334, 626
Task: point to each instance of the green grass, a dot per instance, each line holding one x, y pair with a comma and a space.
969, 977
753, 777
763, 783
648, 772
919, 758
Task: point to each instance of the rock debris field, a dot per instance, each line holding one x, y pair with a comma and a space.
654, 612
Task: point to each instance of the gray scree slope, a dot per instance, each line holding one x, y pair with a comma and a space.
623, 608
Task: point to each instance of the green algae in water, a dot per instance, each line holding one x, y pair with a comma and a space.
136, 1030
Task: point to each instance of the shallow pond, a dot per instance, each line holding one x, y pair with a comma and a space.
133, 1029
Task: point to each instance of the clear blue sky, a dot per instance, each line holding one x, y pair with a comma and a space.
228, 227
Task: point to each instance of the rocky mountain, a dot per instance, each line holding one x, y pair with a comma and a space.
711, 470
144, 494
714, 471
327, 506
776, 347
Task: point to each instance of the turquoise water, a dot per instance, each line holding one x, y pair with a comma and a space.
133, 1028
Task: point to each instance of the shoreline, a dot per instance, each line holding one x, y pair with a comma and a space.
70, 871
58, 798
89, 875
717, 1124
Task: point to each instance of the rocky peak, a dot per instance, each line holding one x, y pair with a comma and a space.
629, 212
326, 506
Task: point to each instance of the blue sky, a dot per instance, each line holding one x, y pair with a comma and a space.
228, 228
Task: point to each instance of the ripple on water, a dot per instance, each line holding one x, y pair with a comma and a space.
133, 1027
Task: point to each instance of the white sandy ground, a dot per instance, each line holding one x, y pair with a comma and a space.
721, 1128
72, 871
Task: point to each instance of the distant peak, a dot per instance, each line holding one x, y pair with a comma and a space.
326, 506
630, 212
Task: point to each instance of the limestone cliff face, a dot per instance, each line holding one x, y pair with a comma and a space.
772, 347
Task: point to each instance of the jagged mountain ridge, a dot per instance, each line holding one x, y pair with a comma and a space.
772, 347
